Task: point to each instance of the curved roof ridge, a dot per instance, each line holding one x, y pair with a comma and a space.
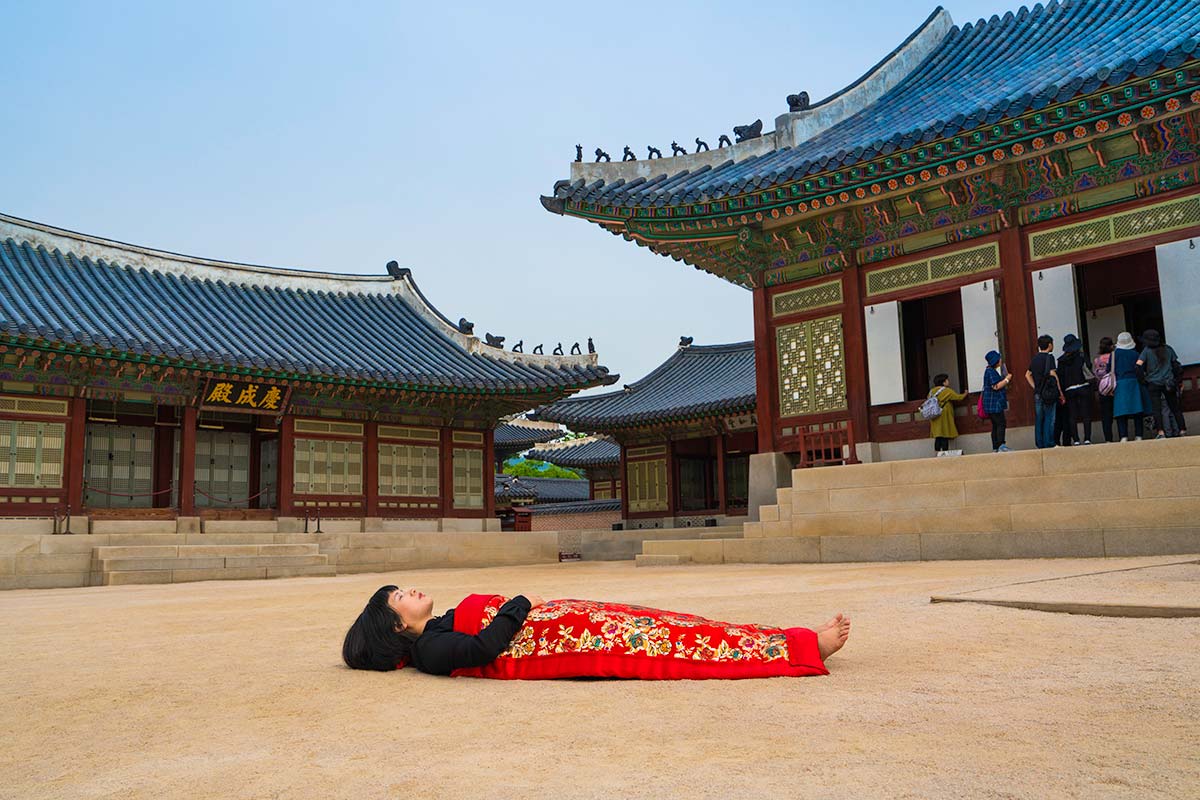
398, 282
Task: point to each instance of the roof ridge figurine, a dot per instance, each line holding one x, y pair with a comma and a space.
745, 133
601, 155
676, 150
701, 144
654, 152
628, 155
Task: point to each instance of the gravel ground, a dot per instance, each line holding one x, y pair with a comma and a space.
236, 690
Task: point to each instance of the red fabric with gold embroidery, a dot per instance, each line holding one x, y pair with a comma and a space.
583, 638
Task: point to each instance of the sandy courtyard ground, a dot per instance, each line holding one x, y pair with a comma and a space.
237, 690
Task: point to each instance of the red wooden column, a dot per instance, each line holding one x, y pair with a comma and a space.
284, 479
187, 462
764, 371
1016, 297
854, 342
624, 485
721, 473
371, 469
446, 478
489, 473
76, 445
672, 481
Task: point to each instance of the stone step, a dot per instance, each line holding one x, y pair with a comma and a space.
106, 553
655, 560
133, 526
737, 534
240, 526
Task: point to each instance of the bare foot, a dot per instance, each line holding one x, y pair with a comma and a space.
837, 618
831, 639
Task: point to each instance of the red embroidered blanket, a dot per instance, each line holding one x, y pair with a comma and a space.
583, 638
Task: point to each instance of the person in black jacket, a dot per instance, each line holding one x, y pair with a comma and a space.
1074, 373
398, 627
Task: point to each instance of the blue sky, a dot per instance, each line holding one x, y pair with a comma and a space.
340, 136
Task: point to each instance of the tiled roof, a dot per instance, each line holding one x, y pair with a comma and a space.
977, 75
510, 436
694, 382
63, 288
545, 490
583, 507
581, 453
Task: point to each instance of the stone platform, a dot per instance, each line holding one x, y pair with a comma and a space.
1126, 499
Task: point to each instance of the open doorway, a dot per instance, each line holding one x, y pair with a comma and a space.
933, 342
1118, 294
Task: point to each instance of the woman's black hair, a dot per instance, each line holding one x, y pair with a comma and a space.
1106, 344
373, 641
940, 379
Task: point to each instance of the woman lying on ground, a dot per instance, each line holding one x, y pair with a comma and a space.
489, 636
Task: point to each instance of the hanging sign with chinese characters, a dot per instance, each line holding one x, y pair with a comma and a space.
247, 396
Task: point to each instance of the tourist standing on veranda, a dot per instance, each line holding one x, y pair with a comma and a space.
1162, 369
995, 399
1127, 397
1075, 375
942, 427
1042, 377
1106, 384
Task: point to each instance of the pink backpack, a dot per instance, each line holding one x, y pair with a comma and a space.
1108, 380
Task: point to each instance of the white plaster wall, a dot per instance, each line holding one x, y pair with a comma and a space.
1179, 286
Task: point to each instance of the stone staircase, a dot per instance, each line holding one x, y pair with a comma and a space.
1127, 499
225, 550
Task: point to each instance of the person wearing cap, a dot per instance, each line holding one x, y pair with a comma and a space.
1127, 399
995, 399
1161, 367
1075, 373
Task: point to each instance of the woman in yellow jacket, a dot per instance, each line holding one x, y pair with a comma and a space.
942, 428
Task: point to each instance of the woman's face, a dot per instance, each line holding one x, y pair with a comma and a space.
410, 604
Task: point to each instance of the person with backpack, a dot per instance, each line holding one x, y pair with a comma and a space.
1127, 396
994, 400
1106, 385
1076, 376
941, 400
1161, 367
1042, 377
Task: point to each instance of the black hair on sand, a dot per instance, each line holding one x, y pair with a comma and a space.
372, 641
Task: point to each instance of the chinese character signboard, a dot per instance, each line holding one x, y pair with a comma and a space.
248, 396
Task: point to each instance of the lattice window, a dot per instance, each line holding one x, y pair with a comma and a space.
969, 261
32, 454
647, 481
602, 490
326, 466
408, 470
222, 469
468, 478
119, 471
1159, 218
808, 298
268, 473
325, 426
812, 368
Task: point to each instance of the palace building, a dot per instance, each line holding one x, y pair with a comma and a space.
984, 184
137, 383
686, 433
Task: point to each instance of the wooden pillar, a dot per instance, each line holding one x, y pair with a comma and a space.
764, 371
76, 445
624, 484
446, 479
285, 483
254, 478
854, 344
164, 455
187, 462
489, 478
721, 473
1016, 297
371, 469
672, 481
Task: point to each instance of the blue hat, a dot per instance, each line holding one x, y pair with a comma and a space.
1071, 343
992, 358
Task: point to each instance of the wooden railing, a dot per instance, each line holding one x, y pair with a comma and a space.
823, 448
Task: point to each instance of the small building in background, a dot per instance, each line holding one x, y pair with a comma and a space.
686, 432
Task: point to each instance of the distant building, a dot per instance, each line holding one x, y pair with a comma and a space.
686, 432
141, 383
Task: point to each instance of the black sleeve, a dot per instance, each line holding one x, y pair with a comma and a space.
450, 650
